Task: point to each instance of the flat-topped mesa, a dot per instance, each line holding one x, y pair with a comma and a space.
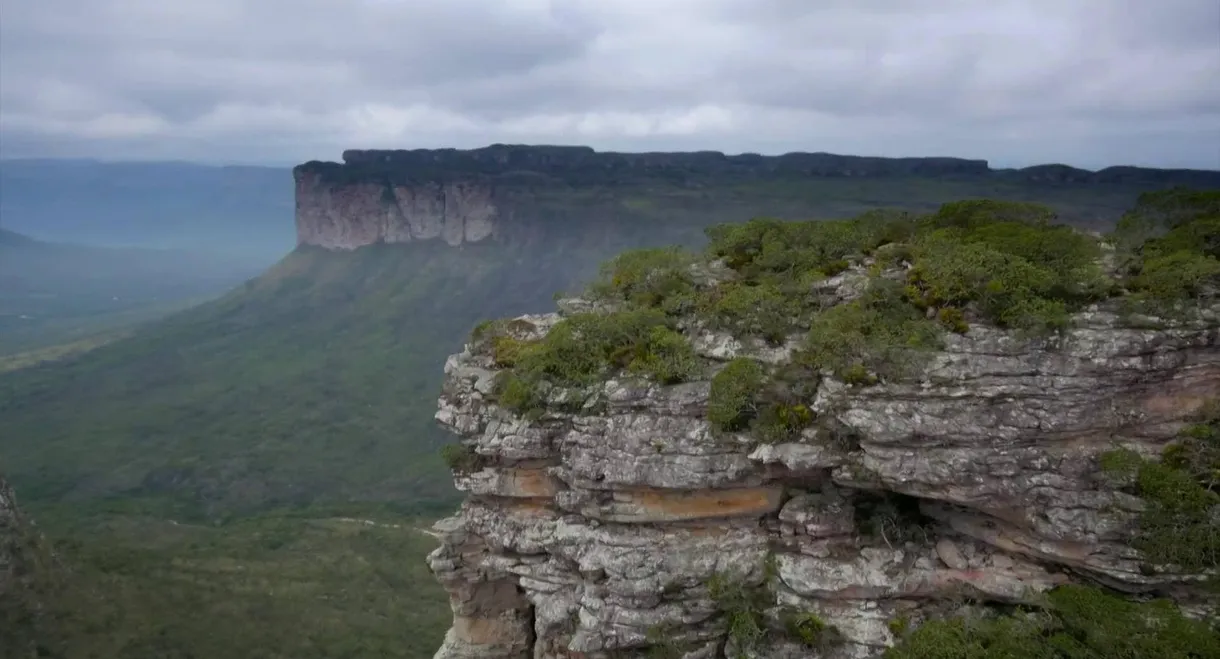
455, 195
820, 439
466, 196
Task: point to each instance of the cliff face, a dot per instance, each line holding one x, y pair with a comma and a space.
463, 196
606, 520
347, 216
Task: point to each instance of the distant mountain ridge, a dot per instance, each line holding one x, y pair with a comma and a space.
581, 164
519, 192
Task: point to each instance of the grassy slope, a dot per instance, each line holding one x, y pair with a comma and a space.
273, 586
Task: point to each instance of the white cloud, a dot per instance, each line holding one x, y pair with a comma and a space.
1088, 82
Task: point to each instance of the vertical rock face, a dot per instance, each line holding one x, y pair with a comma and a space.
338, 215
600, 532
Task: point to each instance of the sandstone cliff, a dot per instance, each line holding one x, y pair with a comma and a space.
466, 196
822, 435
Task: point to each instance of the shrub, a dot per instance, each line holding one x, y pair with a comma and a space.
585, 348
974, 213
767, 247
880, 333
651, 278
761, 310
460, 457
1005, 288
811, 631
952, 319
1080, 622
1162, 211
780, 422
1168, 246
506, 351
666, 356
732, 400
1181, 495
1177, 276
742, 608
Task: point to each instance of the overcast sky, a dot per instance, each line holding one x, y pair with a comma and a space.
1085, 82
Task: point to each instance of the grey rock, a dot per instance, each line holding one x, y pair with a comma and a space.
585, 532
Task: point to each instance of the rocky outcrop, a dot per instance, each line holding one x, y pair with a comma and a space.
467, 196
600, 531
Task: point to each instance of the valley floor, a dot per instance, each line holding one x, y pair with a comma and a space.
296, 584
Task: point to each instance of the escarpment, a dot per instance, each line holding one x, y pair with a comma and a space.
964, 430
457, 197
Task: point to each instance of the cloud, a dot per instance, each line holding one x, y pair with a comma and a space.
1087, 82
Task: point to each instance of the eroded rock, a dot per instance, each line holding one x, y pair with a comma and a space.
609, 524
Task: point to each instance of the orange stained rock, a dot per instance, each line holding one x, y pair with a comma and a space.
661, 505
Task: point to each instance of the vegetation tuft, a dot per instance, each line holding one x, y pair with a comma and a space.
1079, 622
732, 402
1182, 494
1167, 248
586, 348
750, 617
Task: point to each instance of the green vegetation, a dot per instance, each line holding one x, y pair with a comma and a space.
811, 631
1182, 493
312, 583
585, 348
314, 383
731, 402
743, 608
747, 612
460, 458
879, 334
1078, 622
1168, 248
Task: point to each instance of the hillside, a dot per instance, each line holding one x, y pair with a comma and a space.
56, 292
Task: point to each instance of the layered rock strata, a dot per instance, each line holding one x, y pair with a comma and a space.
364, 213
597, 533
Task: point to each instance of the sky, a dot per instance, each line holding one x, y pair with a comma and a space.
1089, 83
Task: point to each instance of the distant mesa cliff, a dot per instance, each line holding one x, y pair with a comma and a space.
458, 195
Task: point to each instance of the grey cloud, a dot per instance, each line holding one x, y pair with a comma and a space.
1090, 82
